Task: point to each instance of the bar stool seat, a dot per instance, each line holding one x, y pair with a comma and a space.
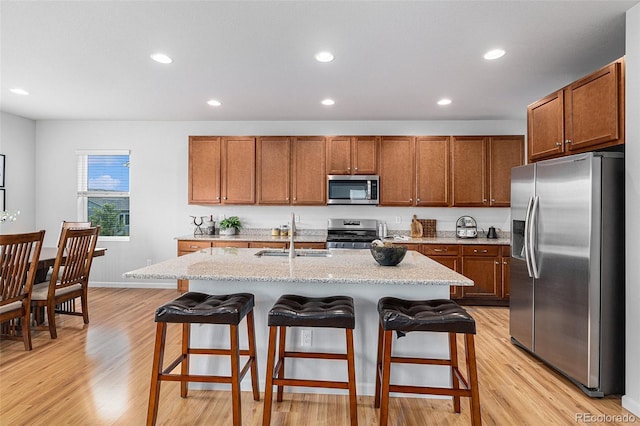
201, 308
300, 311
439, 315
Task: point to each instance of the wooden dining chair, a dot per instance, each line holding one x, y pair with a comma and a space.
75, 253
19, 255
64, 225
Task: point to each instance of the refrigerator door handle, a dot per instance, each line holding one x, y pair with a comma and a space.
532, 241
527, 224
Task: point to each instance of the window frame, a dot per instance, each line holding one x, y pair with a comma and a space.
83, 194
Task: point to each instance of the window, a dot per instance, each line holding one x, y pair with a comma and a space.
103, 192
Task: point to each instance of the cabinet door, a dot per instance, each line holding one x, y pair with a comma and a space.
545, 123
238, 170
482, 265
204, 170
364, 155
273, 170
453, 263
592, 109
505, 152
186, 247
396, 161
469, 158
433, 171
339, 155
309, 177
506, 273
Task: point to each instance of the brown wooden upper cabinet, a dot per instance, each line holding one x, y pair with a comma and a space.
222, 170
433, 171
397, 177
309, 171
584, 116
273, 158
204, 169
481, 169
352, 155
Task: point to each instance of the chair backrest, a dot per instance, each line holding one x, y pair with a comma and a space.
66, 225
75, 253
19, 254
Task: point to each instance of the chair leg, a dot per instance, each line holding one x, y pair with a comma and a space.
472, 374
158, 358
51, 317
455, 383
84, 299
252, 354
268, 390
351, 365
235, 375
26, 328
386, 373
184, 366
281, 359
376, 399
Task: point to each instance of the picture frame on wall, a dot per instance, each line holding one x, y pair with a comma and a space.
2, 171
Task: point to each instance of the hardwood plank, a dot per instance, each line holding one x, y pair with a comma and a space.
99, 374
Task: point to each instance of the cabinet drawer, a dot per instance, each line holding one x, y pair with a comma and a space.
440, 250
310, 245
477, 250
506, 251
191, 246
239, 244
268, 244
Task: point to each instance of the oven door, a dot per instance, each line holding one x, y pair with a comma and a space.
357, 189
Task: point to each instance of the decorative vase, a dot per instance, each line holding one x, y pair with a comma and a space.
228, 231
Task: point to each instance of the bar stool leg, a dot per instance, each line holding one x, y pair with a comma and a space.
184, 367
386, 375
158, 358
472, 374
252, 354
235, 375
351, 365
453, 356
268, 391
281, 359
376, 399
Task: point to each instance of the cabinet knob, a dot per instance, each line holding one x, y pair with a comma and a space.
418, 199
497, 263
493, 200
224, 198
479, 251
439, 250
558, 143
567, 141
484, 200
218, 197
287, 198
356, 169
349, 168
504, 263
410, 199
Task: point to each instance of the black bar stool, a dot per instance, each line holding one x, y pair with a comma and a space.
299, 311
203, 308
426, 315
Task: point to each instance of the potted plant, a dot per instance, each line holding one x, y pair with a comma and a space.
230, 225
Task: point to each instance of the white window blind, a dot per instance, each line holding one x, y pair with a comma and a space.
103, 191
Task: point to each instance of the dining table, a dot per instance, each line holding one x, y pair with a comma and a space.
48, 258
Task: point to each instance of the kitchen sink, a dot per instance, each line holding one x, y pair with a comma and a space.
299, 253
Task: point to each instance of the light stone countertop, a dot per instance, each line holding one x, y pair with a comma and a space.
342, 266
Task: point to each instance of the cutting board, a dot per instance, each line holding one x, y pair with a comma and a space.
416, 228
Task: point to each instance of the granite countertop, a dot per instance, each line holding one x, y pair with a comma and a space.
342, 266
321, 238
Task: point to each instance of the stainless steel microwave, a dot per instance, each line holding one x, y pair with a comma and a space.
353, 189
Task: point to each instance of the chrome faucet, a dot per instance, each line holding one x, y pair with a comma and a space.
292, 232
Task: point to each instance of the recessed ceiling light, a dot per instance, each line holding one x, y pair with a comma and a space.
444, 101
494, 54
324, 57
19, 91
161, 58
214, 102
328, 102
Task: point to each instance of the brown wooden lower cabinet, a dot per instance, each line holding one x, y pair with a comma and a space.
487, 265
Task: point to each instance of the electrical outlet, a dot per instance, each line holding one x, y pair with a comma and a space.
398, 219
148, 262
305, 338
297, 218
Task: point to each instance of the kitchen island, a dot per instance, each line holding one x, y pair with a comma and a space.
342, 272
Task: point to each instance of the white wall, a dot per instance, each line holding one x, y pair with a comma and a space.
631, 399
159, 159
18, 144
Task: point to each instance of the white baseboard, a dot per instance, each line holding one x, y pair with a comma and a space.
631, 405
133, 284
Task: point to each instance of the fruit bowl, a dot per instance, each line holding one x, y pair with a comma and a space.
388, 255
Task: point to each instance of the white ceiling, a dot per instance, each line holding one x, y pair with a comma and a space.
393, 59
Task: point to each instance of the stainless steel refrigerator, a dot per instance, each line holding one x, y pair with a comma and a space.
567, 267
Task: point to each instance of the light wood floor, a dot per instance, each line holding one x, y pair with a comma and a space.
99, 375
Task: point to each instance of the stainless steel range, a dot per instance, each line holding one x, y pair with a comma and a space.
351, 233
